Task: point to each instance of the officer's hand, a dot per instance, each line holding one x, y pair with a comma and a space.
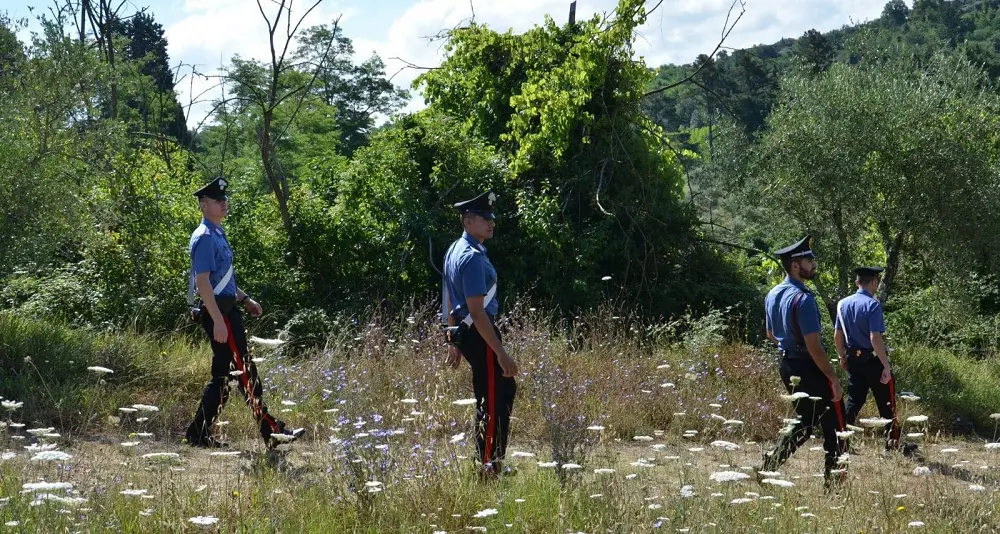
219, 332
843, 363
886, 375
454, 356
838, 391
253, 307
508, 364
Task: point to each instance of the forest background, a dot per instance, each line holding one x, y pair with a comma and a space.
654, 193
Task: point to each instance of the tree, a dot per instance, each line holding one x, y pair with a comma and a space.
358, 92
268, 87
814, 51
880, 160
157, 106
895, 13
597, 190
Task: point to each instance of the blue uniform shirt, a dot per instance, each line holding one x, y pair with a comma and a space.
467, 273
858, 316
778, 311
210, 253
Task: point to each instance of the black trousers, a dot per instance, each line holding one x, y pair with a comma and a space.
494, 395
829, 414
865, 373
227, 357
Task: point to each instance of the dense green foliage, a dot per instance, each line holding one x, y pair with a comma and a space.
330, 214
879, 138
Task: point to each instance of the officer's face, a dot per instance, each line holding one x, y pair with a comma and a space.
214, 209
480, 227
807, 268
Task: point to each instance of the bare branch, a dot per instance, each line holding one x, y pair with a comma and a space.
308, 87
726, 29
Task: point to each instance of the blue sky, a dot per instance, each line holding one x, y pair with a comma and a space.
207, 33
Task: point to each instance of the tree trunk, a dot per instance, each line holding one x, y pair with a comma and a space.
894, 253
844, 259
277, 181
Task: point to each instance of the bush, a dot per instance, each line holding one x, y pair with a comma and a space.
306, 330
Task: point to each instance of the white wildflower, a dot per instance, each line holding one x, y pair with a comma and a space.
687, 491
976, 487
42, 498
728, 476
845, 434
993, 446
145, 407
922, 471
486, 513
547, 464
522, 454
133, 492
570, 466
457, 437
49, 456
915, 524
729, 446
46, 486
795, 396
603, 471
740, 500
874, 422
917, 419
778, 482
642, 438
769, 474
11, 405
596, 428
464, 402
99, 369
204, 520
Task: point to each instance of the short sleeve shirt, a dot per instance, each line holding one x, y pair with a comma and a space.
782, 313
468, 272
858, 316
210, 253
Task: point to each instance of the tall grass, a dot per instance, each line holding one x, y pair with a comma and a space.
389, 451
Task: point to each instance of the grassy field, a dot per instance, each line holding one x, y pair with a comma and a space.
389, 449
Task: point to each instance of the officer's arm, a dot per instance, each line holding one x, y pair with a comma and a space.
840, 342
770, 335
878, 345
483, 325
207, 294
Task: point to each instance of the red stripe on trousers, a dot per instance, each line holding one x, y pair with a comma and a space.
490, 405
244, 379
892, 404
840, 417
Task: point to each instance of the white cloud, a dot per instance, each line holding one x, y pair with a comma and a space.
211, 31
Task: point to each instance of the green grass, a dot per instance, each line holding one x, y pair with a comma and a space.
349, 397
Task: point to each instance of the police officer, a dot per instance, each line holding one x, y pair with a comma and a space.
470, 304
859, 326
793, 323
213, 278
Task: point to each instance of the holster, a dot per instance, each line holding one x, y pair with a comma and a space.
225, 304
453, 334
